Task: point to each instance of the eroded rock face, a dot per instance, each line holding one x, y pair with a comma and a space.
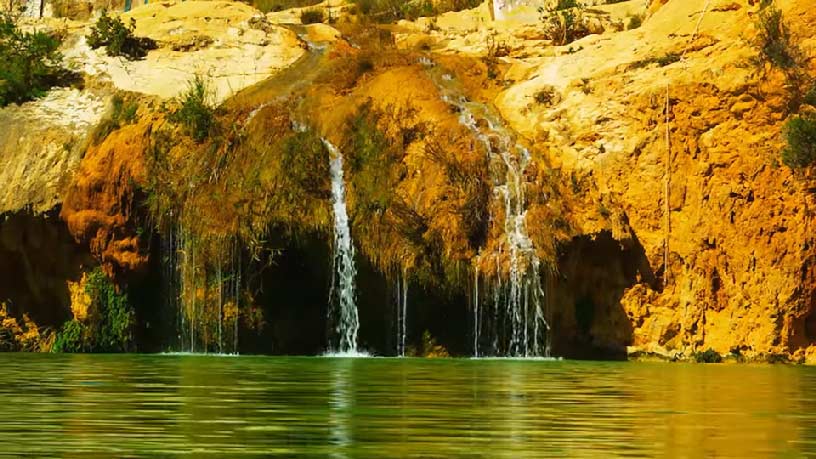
229, 43
723, 227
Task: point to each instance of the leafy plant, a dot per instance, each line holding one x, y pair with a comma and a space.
30, 63
196, 112
70, 338
108, 326
118, 39
800, 133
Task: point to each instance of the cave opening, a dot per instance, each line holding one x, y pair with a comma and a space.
588, 319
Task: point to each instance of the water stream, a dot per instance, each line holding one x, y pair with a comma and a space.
512, 273
342, 296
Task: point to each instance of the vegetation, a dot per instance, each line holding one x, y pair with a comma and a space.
635, 21
18, 335
564, 24
118, 39
30, 63
122, 113
311, 16
800, 134
774, 40
385, 11
708, 356
661, 61
196, 112
108, 325
266, 6
566, 4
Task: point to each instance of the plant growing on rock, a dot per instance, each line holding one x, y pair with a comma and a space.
30, 63
708, 356
311, 16
108, 326
118, 39
564, 25
774, 40
196, 112
800, 134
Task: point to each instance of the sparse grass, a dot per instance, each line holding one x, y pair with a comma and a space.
196, 112
118, 39
800, 134
122, 113
661, 61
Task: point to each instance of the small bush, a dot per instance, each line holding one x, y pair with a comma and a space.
311, 16
118, 39
774, 40
800, 133
709, 356
30, 63
563, 26
635, 21
566, 4
196, 112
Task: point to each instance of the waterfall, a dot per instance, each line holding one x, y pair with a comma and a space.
519, 327
342, 297
34, 8
402, 313
203, 294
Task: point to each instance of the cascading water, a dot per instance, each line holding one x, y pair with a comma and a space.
34, 8
402, 313
342, 297
205, 298
517, 326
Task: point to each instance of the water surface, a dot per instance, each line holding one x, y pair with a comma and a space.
87, 406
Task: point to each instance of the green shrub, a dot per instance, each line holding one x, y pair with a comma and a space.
708, 356
774, 40
800, 134
108, 326
196, 113
311, 16
70, 338
30, 63
118, 39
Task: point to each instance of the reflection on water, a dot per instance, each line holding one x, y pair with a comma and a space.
146, 406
